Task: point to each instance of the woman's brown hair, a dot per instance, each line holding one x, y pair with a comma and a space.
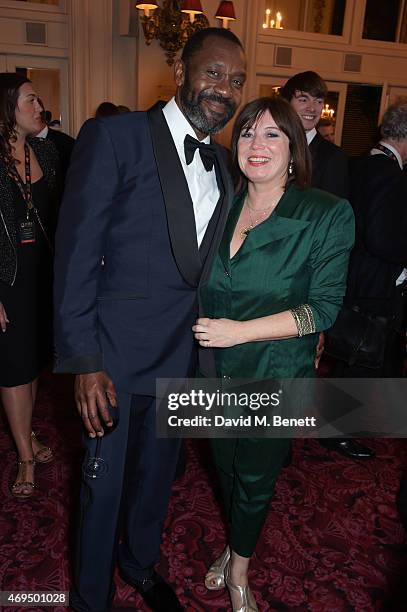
290, 124
10, 83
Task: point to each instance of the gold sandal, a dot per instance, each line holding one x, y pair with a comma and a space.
215, 577
247, 602
44, 453
23, 484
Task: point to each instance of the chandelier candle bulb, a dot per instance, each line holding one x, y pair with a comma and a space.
273, 23
193, 8
147, 7
327, 113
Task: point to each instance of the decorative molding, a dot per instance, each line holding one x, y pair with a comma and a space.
91, 55
79, 63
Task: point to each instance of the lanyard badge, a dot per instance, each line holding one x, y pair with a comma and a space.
26, 226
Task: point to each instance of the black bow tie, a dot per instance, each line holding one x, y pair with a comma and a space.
206, 151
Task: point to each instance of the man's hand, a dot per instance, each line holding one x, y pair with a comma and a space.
218, 333
319, 349
3, 318
93, 393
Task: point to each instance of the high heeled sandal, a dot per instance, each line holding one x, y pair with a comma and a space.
23, 484
44, 454
247, 601
215, 576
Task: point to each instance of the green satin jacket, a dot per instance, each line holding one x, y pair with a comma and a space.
299, 255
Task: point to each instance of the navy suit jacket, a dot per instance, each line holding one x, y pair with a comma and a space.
127, 264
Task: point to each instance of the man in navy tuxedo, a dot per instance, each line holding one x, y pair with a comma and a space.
145, 205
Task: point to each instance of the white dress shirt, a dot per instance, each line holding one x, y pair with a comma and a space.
311, 135
202, 185
43, 133
391, 148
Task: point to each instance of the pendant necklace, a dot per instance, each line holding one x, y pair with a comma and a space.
245, 231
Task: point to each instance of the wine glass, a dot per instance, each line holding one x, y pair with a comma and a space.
96, 467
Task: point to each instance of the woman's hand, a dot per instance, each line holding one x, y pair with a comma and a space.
218, 333
3, 318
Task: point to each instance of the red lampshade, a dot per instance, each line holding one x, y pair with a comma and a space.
226, 11
193, 7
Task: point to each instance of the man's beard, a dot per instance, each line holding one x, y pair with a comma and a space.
207, 124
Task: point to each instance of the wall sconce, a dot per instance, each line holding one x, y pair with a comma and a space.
147, 7
226, 12
176, 21
192, 8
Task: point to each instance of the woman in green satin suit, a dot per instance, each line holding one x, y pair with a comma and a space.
277, 281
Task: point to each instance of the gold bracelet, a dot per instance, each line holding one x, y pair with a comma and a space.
304, 319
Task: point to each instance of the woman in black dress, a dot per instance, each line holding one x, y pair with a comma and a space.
27, 189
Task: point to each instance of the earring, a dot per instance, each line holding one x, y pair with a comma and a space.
290, 168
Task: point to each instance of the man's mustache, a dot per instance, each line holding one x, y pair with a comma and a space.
216, 98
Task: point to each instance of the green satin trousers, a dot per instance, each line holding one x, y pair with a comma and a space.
248, 469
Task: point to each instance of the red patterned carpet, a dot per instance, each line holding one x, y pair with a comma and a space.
332, 542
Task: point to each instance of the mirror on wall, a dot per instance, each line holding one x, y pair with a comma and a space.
385, 21
361, 119
317, 16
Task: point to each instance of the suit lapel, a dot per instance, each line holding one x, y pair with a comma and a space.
178, 203
314, 145
279, 225
217, 223
211, 228
224, 248
315, 150
274, 228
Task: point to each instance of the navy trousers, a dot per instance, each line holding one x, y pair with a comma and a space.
121, 515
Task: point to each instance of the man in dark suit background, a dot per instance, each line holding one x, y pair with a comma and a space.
326, 129
64, 143
377, 278
306, 92
146, 200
